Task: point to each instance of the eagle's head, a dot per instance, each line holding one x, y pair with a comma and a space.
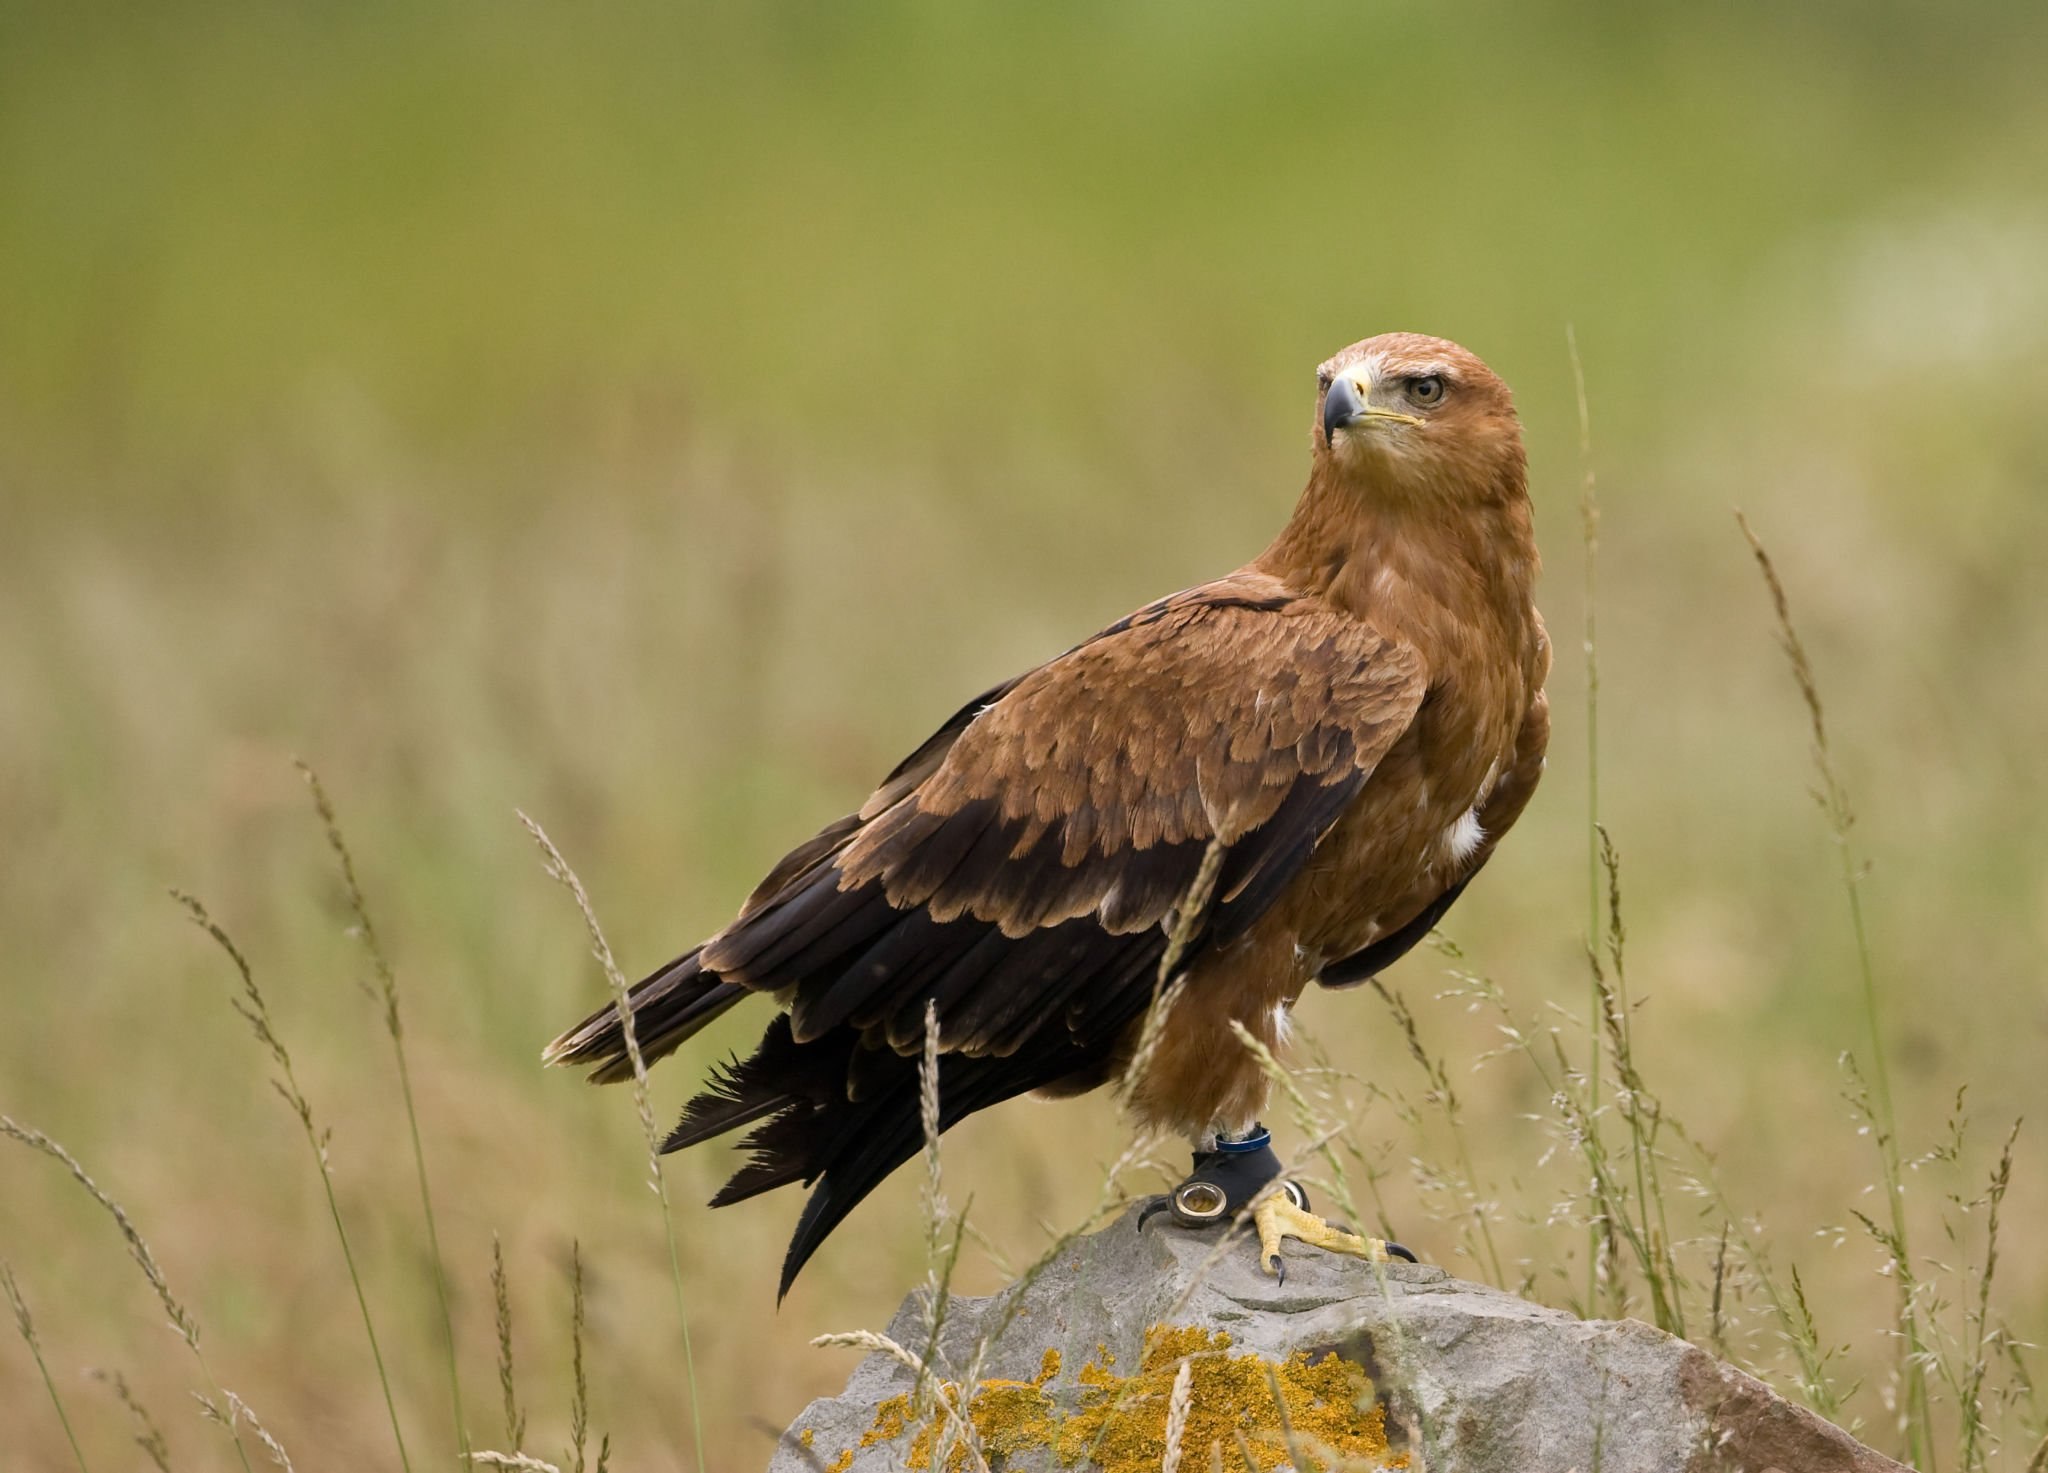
1406, 415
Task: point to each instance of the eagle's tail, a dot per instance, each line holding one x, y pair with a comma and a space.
668, 1007
811, 1127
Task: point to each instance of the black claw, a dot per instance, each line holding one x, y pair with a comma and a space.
1152, 1209
1279, 1268
1395, 1250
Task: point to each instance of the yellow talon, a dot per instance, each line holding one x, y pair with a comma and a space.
1277, 1217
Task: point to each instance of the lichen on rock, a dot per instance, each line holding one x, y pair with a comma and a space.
1323, 1406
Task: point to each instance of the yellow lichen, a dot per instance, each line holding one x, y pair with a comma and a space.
1120, 1424
891, 1418
805, 1438
841, 1463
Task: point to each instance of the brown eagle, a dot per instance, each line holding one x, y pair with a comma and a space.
1353, 718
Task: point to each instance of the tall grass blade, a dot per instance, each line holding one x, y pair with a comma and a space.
501, 1299
148, 1436
25, 1323
138, 1249
1970, 1399
238, 1411
579, 1396
558, 870
255, 1011
1833, 797
1589, 542
386, 994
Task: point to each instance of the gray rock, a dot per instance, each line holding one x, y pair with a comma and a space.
1464, 1378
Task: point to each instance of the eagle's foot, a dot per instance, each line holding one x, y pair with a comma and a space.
1281, 1216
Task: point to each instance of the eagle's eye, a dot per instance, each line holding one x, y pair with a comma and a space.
1426, 389
1323, 379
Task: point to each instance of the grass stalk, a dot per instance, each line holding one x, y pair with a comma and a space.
1589, 541
181, 1320
939, 1261
559, 871
1640, 1109
255, 1011
1178, 1405
238, 1410
1167, 982
1970, 1396
25, 1323
148, 1436
501, 1300
1445, 1095
579, 1383
386, 994
1833, 797
1624, 1212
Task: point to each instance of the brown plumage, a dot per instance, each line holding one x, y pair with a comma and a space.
1357, 715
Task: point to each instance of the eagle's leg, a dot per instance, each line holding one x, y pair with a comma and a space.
1231, 1175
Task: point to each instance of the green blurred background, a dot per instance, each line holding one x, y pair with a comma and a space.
659, 417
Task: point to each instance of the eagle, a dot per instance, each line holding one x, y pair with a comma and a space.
1342, 730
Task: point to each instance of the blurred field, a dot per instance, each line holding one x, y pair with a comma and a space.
659, 420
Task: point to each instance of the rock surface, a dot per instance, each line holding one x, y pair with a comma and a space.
1458, 1377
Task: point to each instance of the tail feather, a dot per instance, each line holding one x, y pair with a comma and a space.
873, 1140
669, 1007
718, 1109
779, 1074
810, 1127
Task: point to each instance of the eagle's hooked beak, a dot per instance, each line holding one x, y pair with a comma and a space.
1344, 406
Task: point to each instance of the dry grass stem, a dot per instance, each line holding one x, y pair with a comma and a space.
182, 1322
949, 1400
1183, 927
255, 1011
940, 1259
558, 870
25, 1323
1589, 543
1978, 1339
238, 1411
1833, 797
386, 994
138, 1249
1177, 1406
501, 1299
1444, 1094
148, 1436
579, 1394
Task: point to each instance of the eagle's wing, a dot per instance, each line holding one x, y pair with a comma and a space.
1017, 873
1069, 815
